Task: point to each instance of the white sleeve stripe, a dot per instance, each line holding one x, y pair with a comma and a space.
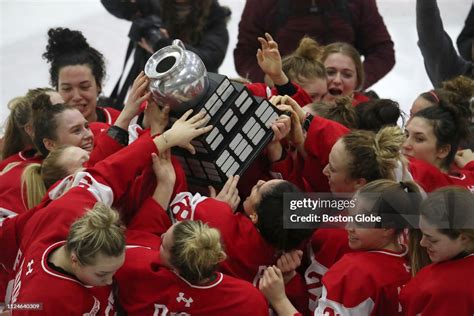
103, 193
326, 306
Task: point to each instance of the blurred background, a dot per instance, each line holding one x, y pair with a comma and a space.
23, 39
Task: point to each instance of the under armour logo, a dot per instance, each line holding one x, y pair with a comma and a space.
181, 298
30, 269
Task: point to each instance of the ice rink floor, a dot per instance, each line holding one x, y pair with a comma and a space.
24, 24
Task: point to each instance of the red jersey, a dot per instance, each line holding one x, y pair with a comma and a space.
12, 199
444, 288
327, 246
148, 288
49, 292
364, 283
430, 178
24, 155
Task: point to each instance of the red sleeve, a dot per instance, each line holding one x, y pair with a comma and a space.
120, 169
104, 146
258, 89
151, 217
291, 169
144, 186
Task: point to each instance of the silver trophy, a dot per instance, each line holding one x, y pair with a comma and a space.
241, 121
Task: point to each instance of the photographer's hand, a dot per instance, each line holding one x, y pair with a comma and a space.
143, 43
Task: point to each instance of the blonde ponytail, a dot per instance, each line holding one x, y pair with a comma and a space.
374, 156
387, 144
97, 231
32, 184
36, 179
196, 251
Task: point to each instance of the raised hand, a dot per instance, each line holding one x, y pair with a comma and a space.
278, 99
295, 132
273, 287
137, 96
463, 157
163, 168
229, 192
269, 60
165, 178
183, 131
288, 263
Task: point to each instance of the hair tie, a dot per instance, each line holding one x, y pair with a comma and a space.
433, 93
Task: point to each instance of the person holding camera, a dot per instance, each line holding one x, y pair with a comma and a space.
200, 24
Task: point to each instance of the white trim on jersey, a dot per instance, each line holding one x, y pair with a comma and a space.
136, 246
402, 254
49, 271
109, 116
133, 132
4, 214
325, 307
103, 193
268, 92
22, 157
214, 284
461, 177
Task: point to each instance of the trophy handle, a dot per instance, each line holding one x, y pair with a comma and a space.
178, 43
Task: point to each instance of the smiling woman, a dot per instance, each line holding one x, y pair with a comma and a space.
77, 71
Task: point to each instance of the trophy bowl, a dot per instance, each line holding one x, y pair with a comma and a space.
178, 77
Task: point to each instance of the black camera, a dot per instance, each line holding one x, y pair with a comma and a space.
147, 27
